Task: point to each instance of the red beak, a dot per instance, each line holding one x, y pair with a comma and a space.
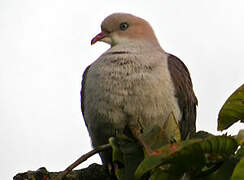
98, 37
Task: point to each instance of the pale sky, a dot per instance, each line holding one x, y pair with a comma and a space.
45, 47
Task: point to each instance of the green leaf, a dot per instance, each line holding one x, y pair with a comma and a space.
127, 154
240, 137
218, 150
223, 145
155, 137
240, 153
159, 174
189, 156
233, 110
223, 171
171, 128
238, 173
148, 164
162, 156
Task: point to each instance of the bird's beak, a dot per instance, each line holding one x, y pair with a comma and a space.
98, 37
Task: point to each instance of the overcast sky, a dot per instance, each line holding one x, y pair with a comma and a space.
45, 47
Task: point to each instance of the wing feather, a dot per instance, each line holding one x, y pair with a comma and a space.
185, 95
83, 91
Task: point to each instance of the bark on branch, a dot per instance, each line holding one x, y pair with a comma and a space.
93, 172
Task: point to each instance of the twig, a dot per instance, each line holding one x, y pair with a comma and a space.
83, 158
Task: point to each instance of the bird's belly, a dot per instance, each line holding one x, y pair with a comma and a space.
120, 99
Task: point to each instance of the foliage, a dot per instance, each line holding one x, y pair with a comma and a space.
205, 157
233, 110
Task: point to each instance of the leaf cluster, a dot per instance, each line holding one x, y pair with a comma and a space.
204, 157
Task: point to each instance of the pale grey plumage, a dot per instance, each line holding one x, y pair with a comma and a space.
131, 80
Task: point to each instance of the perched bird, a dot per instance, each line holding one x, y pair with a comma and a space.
134, 79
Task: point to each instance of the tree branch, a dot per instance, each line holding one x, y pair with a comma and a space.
93, 172
83, 158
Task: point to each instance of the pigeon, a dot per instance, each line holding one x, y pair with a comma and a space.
134, 85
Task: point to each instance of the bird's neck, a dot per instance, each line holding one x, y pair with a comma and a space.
137, 47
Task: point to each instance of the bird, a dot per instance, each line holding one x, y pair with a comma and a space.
134, 79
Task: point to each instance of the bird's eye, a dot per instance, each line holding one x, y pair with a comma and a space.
123, 26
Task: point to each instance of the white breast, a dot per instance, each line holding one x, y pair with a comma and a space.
126, 85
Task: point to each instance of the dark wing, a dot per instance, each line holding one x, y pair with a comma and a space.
82, 92
184, 93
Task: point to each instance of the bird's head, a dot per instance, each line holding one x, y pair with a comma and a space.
120, 28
